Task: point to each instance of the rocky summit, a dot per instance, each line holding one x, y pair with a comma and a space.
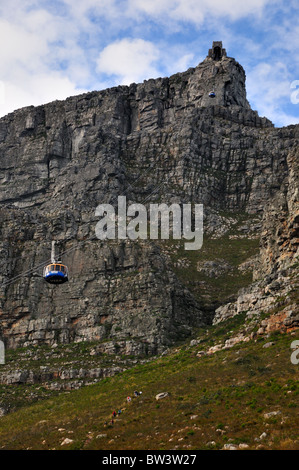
166, 140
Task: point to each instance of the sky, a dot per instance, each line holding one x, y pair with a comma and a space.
54, 49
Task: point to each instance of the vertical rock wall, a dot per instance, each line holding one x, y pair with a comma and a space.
163, 140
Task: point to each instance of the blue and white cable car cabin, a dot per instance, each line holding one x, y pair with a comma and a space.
56, 272
212, 94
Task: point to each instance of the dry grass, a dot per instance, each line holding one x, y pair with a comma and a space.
212, 401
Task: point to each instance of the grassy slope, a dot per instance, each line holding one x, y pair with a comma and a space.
219, 398
232, 247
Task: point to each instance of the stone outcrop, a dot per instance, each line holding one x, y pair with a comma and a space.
276, 272
163, 140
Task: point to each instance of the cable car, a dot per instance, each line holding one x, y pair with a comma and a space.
212, 94
56, 272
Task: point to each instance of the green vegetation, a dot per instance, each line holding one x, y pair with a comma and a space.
209, 289
213, 400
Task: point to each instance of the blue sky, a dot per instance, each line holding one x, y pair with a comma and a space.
55, 49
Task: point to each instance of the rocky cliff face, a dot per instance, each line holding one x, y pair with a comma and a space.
164, 140
276, 286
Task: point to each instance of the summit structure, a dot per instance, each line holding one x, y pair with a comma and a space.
217, 52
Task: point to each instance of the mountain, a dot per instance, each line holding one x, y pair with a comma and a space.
165, 140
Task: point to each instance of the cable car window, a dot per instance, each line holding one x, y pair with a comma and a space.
62, 269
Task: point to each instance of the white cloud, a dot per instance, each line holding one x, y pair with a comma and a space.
197, 11
269, 91
129, 60
41, 60
21, 46
35, 90
2, 93
183, 62
81, 9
